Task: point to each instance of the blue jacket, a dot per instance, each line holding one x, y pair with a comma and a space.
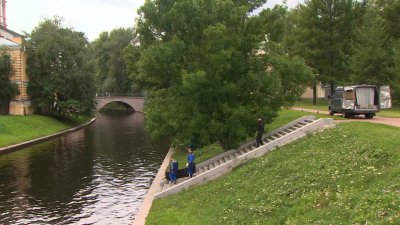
191, 157
174, 166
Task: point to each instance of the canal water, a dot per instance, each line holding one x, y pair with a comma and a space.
97, 175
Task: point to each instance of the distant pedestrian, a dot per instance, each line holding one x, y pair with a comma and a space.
191, 169
173, 169
260, 131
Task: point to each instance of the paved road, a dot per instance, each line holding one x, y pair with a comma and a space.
377, 119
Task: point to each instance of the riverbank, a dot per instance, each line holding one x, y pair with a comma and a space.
19, 129
344, 174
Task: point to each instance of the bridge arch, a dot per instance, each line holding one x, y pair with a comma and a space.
136, 103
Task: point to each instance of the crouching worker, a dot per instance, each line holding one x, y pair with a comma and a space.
191, 169
173, 169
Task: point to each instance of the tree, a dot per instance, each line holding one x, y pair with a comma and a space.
108, 49
374, 58
390, 11
204, 66
61, 79
396, 70
7, 88
320, 34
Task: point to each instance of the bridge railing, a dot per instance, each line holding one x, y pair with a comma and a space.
137, 94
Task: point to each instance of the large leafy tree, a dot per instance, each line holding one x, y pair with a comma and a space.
390, 11
320, 33
374, 58
7, 88
61, 79
108, 50
204, 66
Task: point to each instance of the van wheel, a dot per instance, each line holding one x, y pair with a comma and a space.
331, 112
346, 114
369, 116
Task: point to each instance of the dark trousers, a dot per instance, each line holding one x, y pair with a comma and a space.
259, 139
191, 169
172, 176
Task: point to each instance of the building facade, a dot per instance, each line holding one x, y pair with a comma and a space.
309, 92
11, 43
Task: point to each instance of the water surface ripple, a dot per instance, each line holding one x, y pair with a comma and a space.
97, 175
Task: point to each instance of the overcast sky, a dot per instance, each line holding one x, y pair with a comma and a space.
89, 16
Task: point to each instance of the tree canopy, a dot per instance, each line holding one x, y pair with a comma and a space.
61, 80
108, 51
209, 68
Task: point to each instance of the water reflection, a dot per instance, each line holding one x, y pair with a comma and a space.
97, 175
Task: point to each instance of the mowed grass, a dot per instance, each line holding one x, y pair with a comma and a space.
17, 129
394, 112
285, 116
345, 175
323, 105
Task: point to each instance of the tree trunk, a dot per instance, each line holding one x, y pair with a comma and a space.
332, 90
223, 144
314, 100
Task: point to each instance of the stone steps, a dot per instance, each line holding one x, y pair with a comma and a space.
225, 159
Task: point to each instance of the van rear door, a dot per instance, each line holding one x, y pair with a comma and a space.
385, 98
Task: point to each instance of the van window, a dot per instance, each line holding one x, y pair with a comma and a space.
339, 94
349, 95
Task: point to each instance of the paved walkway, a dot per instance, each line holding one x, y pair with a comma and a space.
148, 200
377, 119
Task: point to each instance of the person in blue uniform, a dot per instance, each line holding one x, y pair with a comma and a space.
191, 166
173, 169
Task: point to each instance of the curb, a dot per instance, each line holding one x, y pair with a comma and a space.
144, 209
16, 147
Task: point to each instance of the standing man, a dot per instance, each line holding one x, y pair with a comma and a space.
260, 131
191, 167
173, 169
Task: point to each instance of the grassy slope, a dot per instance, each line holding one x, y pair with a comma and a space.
348, 173
323, 105
208, 152
17, 129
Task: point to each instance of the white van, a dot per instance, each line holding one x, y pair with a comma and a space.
360, 99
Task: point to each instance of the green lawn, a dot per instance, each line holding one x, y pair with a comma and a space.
394, 112
17, 129
323, 105
208, 152
345, 175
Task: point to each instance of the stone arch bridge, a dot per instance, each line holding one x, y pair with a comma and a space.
135, 103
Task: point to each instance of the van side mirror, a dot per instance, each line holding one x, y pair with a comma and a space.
329, 97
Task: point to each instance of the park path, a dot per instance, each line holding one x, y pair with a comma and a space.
377, 119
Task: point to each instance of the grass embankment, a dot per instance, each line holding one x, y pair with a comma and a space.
323, 105
347, 174
17, 129
210, 151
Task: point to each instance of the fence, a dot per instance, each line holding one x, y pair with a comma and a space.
138, 94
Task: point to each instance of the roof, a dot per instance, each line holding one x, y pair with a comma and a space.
15, 34
8, 44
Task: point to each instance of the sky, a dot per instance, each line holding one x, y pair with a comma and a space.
89, 16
